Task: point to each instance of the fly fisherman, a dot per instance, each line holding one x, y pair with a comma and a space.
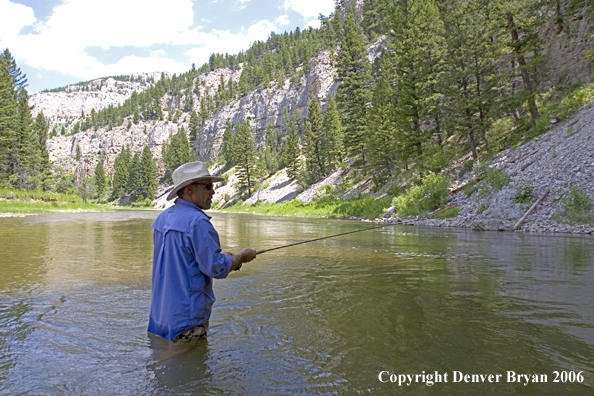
187, 255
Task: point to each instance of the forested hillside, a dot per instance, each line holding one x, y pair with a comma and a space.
416, 86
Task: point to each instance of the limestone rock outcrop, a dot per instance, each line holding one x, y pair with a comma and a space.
261, 107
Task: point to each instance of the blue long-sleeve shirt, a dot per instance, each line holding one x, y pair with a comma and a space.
187, 255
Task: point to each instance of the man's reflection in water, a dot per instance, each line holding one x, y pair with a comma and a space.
179, 366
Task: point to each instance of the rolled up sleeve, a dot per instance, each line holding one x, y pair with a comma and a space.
207, 250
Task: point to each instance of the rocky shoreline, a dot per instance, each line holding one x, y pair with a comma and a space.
557, 160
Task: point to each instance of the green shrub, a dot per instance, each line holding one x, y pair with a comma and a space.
435, 158
482, 207
577, 207
576, 201
523, 190
577, 96
324, 194
448, 213
497, 179
494, 181
364, 207
419, 199
470, 188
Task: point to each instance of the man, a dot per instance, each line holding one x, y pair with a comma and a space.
187, 255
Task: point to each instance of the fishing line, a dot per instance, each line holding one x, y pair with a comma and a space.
319, 239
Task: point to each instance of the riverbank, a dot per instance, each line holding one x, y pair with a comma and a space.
559, 163
558, 167
19, 203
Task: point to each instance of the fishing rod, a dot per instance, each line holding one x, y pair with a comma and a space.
319, 239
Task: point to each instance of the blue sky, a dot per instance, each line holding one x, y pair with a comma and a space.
61, 42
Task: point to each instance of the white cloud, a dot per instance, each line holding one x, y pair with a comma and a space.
223, 41
61, 43
283, 20
314, 23
78, 24
13, 17
310, 8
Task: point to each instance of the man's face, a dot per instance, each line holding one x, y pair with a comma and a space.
201, 194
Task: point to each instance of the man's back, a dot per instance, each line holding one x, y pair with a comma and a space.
187, 255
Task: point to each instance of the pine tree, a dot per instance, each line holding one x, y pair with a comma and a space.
523, 18
148, 175
316, 146
384, 147
373, 18
271, 152
121, 173
178, 151
291, 152
135, 178
194, 127
473, 84
415, 61
18, 147
353, 92
8, 123
42, 163
337, 25
99, 179
78, 154
228, 149
245, 155
334, 131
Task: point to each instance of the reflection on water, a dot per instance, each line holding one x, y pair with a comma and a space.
318, 318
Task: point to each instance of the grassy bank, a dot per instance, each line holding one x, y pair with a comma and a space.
365, 207
25, 202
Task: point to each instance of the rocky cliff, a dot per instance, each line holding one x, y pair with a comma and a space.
261, 107
566, 47
64, 106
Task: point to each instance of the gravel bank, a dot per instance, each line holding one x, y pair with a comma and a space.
557, 160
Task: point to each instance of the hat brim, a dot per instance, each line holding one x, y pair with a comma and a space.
173, 193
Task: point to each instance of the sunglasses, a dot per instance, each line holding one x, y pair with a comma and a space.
208, 186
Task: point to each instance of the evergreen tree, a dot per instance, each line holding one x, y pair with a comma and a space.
78, 154
353, 92
316, 145
374, 13
194, 127
245, 155
334, 131
178, 151
99, 179
8, 124
121, 173
415, 61
18, 148
149, 175
383, 146
42, 163
271, 152
135, 178
291, 152
473, 84
337, 25
228, 149
523, 18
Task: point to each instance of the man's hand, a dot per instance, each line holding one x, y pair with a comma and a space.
244, 256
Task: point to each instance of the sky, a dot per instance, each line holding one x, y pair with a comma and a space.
61, 42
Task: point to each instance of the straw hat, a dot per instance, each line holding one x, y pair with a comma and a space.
188, 174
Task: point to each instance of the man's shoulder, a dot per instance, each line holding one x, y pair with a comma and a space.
179, 218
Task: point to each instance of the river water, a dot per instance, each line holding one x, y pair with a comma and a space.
338, 316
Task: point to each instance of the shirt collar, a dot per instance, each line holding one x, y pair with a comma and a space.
183, 202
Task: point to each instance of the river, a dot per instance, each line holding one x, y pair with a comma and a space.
343, 316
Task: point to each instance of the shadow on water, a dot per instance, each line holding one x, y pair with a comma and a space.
320, 318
